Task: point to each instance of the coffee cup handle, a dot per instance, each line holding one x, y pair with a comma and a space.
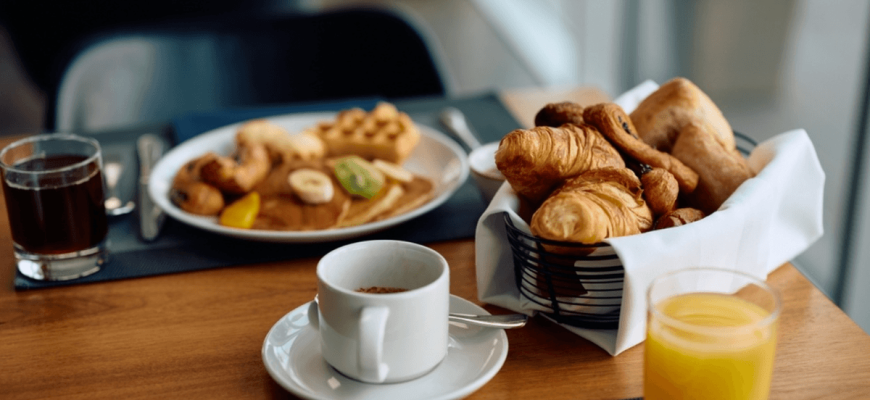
313, 315
372, 324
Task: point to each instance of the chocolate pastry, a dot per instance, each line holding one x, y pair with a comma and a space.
555, 115
535, 161
617, 127
660, 189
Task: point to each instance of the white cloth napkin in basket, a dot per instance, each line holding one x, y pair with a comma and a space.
769, 220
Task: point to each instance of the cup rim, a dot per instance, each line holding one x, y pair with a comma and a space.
707, 330
407, 293
490, 148
51, 136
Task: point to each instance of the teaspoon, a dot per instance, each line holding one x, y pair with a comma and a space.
455, 121
506, 321
114, 205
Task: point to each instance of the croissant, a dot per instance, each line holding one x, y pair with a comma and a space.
535, 161
593, 206
677, 103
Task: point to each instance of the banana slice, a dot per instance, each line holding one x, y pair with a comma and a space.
393, 171
311, 185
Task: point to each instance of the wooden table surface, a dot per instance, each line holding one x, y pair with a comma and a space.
198, 335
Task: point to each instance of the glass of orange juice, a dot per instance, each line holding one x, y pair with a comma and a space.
711, 334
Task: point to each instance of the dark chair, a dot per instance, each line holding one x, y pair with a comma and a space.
149, 73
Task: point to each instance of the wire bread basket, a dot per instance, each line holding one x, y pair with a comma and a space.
572, 283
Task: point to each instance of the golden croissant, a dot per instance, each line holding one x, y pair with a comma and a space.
535, 161
594, 206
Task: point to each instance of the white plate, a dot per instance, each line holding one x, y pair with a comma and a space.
291, 353
436, 157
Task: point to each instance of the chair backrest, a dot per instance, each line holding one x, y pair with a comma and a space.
148, 74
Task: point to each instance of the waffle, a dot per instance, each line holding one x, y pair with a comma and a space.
384, 133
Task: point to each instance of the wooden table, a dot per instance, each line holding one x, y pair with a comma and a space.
198, 335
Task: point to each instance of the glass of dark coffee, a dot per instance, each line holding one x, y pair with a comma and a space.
53, 186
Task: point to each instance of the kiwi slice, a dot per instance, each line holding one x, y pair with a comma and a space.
359, 177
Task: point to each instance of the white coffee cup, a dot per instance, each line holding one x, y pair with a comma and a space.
389, 337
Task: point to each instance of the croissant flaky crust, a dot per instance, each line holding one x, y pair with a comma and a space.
593, 206
535, 161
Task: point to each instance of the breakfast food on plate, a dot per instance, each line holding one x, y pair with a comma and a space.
313, 180
557, 114
535, 161
593, 206
312, 186
193, 195
721, 171
660, 190
679, 217
239, 174
616, 126
385, 133
595, 172
242, 213
281, 145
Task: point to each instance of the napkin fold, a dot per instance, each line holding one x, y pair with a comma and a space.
769, 220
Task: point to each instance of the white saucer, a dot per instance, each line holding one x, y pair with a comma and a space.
291, 354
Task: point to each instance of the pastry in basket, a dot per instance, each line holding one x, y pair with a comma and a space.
661, 116
238, 174
679, 217
594, 206
281, 145
660, 190
535, 161
616, 126
557, 114
720, 171
193, 195
384, 133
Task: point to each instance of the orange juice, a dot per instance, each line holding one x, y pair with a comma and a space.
708, 346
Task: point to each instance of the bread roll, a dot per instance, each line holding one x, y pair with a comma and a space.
594, 206
662, 115
535, 161
720, 172
558, 114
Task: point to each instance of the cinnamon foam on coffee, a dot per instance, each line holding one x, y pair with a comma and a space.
381, 290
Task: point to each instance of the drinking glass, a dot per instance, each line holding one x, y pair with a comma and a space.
711, 334
53, 187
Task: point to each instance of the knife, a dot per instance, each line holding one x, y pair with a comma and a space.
150, 149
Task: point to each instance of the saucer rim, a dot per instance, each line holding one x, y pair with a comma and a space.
460, 392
